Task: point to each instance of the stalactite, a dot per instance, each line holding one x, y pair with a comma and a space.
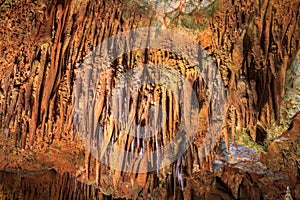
187, 105
189, 163
19, 115
99, 105
77, 29
170, 115
12, 100
108, 133
239, 119
269, 107
164, 115
53, 71
61, 117
28, 92
232, 122
35, 109
121, 144
212, 160
141, 105
133, 109
267, 28
226, 138
51, 117
147, 121
87, 164
157, 94
69, 118
24, 133
176, 114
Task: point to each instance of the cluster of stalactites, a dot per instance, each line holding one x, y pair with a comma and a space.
140, 120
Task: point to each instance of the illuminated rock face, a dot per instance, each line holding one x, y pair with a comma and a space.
252, 43
291, 103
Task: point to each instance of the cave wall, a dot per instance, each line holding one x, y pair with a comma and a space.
253, 44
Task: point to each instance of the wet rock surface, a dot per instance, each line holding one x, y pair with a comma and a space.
47, 184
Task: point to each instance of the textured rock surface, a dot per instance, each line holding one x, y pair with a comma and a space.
283, 155
291, 103
43, 43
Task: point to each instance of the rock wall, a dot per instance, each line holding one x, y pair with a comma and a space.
44, 43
